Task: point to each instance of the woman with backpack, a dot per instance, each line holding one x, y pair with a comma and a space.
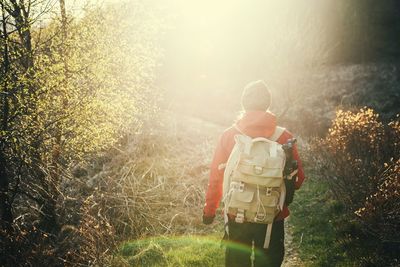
253, 191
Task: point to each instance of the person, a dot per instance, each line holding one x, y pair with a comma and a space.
256, 121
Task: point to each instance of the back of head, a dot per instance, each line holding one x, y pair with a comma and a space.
256, 96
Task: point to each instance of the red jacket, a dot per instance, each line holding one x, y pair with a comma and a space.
253, 124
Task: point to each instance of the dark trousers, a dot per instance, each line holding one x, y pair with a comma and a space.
241, 238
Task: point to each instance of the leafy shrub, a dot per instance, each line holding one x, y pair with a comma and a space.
81, 91
359, 159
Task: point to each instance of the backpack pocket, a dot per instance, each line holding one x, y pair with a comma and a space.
271, 201
241, 200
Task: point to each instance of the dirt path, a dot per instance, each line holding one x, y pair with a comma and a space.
292, 258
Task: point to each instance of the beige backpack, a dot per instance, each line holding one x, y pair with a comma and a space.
254, 188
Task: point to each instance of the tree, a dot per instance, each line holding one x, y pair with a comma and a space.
69, 91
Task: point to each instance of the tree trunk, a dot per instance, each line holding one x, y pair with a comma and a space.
6, 216
5, 205
49, 222
20, 13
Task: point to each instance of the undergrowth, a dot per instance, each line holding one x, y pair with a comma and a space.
314, 217
324, 235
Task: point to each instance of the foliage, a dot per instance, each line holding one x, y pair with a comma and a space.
69, 91
359, 159
73, 182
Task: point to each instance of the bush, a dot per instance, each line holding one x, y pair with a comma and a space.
359, 159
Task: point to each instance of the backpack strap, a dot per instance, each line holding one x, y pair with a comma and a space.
278, 132
268, 236
274, 137
238, 129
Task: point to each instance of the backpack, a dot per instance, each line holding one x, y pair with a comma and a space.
254, 187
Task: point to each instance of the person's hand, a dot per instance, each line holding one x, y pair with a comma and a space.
208, 219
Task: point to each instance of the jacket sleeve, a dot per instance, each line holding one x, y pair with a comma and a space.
214, 189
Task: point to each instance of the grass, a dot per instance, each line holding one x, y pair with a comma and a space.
314, 218
172, 251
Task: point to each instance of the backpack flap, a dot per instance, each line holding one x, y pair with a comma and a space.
242, 200
264, 181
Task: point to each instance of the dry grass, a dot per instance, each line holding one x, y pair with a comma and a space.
155, 183
151, 184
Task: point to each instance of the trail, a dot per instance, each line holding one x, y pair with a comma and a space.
291, 254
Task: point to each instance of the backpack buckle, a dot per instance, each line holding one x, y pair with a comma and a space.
269, 191
237, 186
260, 217
241, 187
258, 169
239, 216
